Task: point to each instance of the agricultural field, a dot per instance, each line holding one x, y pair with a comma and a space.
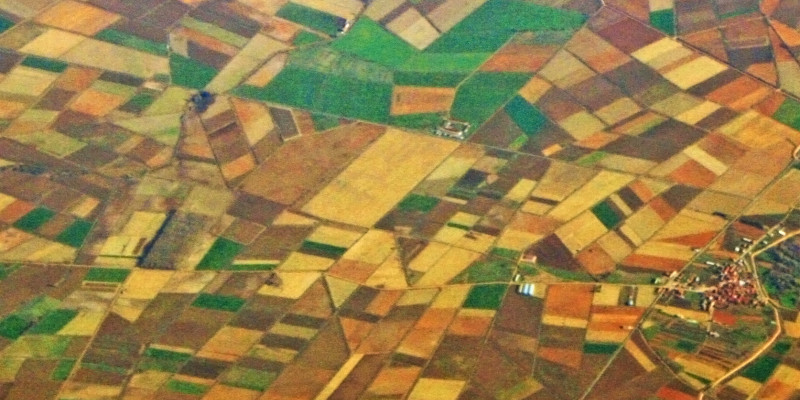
245, 199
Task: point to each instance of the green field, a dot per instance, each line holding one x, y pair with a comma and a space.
62, 370
491, 270
508, 17
45, 64
251, 267
436, 79
426, 121
483, 93
369, 41
5, 24
418, 202
327, 249
309, 17
160, 354
323, 122
761, 369
304, 37
525, 115
13, 326
663, 20
220, 255
487, 297
7, 269
444, 62
606, 215
354, 98
112, 275
505, 253
140, 102
53, 322
134, 42
186, 387
218, 302
600, 348
34, 219
248, 378
190, 73
789, 113
75, 234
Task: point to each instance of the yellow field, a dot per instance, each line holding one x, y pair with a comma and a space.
188, 281
334, 236
561, 180
618, 110
257, 50
149, 379
305, 262
340, 376
428, 257
696, 114
27, 81
453, 168
380, 178
389, 275
373, 248
601, 186
414, 29
565, 70
230, 343
451, 296
581, 232
294, 285
642, 225
656, 49
699, 368
378, 9
346, 9
694, 72
339, 289
608, 296
103, 55
84, 324
438, 389
77, 17
640, 356
744, 385
581, 125
145, 284
53, 43
452, 12
450, 265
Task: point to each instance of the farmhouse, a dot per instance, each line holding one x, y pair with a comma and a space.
452, 129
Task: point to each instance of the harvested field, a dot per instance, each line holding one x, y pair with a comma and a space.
385, 173
415, 100
297, 169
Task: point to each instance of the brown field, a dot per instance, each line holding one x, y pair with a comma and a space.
470, 322
568, 357
415, 99
77, 17
394, 381
424, 337
574, 301
517, 57
414, 28
298, 168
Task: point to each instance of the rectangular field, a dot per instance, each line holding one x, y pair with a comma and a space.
380, 178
